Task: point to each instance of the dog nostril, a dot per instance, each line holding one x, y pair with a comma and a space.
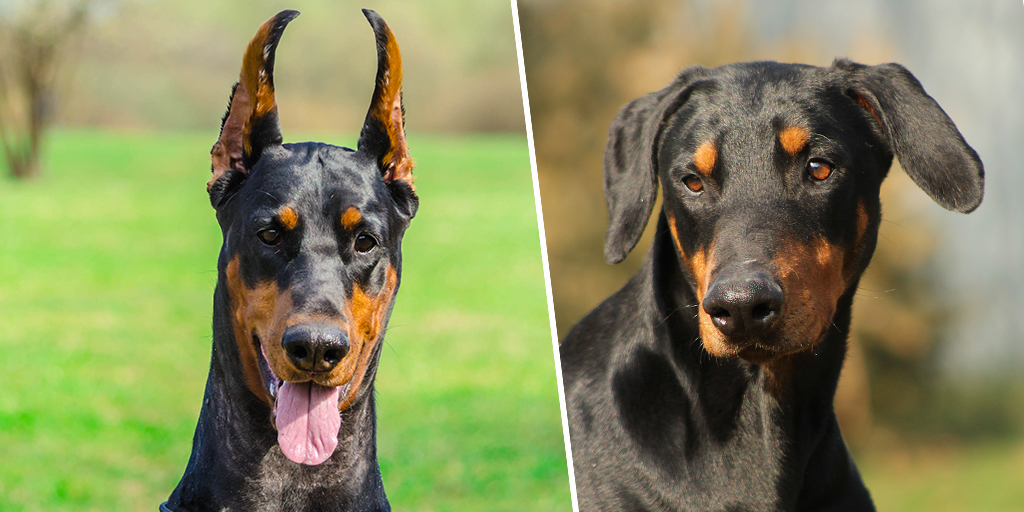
334, 356
721, 314
762, 311
298, 351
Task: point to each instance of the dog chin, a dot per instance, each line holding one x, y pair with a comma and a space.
761, 352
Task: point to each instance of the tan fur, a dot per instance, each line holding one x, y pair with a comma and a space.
350, 219
386, 108
367, 319
705, 157
289, 217
794, 139
812, 279
253, 98
700, 264
254, 310
267, 311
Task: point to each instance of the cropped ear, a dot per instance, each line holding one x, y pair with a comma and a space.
928, 145
383, 133
251, 122
630, 164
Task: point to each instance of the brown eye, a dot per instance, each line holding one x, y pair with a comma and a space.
819, 170
694, 183
270, 236
364, 243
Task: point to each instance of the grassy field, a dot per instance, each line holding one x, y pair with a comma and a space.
107, 268
946, 477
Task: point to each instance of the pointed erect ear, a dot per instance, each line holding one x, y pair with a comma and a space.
250, 123
630, 163
383, 134
928, 145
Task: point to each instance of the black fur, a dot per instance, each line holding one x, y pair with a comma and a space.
656, 422
236, 463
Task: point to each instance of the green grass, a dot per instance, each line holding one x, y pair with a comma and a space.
948, 477
107, 268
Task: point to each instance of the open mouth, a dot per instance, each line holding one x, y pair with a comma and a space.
305, 413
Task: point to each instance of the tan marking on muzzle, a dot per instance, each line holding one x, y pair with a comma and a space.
812, 279
366, 314
258, 310
700, 265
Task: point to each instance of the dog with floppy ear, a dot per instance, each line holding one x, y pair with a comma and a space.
706, 382
307, 277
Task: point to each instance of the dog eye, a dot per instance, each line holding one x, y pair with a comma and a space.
364, 243
819, 170
269, 236
693, 183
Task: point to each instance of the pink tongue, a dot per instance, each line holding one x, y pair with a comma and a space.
308, 422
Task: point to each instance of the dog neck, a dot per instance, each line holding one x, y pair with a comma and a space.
236, 462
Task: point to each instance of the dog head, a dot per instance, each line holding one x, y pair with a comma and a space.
770, 176
311, 259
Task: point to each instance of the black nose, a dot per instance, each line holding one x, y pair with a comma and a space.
315, 348
744, 302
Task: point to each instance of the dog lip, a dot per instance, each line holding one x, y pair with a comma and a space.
270, 379
273, 383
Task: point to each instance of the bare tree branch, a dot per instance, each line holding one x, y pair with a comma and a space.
31, 46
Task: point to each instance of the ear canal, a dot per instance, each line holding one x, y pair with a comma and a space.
383, 133
630, 167
251, 122
929, 146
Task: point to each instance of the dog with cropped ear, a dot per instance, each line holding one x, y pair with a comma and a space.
307, 277
706, 382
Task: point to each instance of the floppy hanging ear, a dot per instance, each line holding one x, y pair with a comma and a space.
251, 122
630, 164
928, 145
383, 133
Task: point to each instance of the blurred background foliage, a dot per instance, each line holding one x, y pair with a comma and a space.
921, 419
150, 64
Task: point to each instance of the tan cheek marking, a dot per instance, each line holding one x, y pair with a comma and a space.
858, 246
700, 265
793, 139
367, 314
289, 217
862, 221
705, 157
350, 219
252, 309
812, 280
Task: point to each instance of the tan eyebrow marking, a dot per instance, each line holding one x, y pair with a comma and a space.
289, 217
704, 158
351, 217
793, 139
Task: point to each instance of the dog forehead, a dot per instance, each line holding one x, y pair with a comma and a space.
742, 110
742, 94
317, 173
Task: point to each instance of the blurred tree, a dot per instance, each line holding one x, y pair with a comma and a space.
33, 38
